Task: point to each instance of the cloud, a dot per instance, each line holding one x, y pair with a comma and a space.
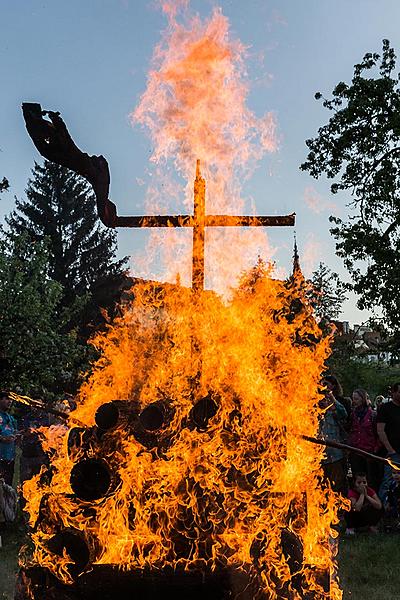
311, 256
278, 18
317, 203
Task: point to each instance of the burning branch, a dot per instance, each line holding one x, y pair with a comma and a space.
363, 453
39, 405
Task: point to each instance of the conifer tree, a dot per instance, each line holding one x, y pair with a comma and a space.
60, 209
327, 293
4, 185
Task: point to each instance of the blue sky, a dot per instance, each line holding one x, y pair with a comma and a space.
89, 59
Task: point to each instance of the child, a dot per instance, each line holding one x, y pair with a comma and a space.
366, 508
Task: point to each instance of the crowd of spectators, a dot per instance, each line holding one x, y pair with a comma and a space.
23, 433
372, 486
372, 427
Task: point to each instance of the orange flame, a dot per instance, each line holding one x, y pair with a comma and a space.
201, 464
195, 108
202, 493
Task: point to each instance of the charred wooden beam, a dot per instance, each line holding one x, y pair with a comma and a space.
117, 413
53, 141
108, 582
92, 479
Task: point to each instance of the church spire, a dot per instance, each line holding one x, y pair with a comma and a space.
296, 259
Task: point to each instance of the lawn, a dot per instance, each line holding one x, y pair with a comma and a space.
368, 566
11, 543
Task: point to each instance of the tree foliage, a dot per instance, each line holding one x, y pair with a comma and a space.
359, 149
42, 360
326, 293
4, 185
248, 280
61, 209
373, 377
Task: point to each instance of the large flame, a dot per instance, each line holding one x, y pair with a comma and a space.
201, 464
195, 108
211, 488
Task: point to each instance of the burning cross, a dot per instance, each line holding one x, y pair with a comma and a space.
54, 142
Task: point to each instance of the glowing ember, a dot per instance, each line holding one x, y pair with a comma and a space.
188, 452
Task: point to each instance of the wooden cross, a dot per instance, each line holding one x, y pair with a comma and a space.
54, 142
199, 221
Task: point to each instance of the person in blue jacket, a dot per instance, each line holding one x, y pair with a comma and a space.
8, 438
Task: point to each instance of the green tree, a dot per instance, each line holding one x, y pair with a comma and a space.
4, 185
42, 360
61, 209
326, 293
359, 149
373, 377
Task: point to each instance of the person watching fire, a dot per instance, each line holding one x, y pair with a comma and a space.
363, 435
366, 507
388, 427
8, 438
332, 426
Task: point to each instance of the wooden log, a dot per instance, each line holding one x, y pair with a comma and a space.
151, 427
201, 413
92, 479
117, 413
110, 583
154, 416
73, 543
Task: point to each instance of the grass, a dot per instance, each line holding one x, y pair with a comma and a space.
12, 540
368, 566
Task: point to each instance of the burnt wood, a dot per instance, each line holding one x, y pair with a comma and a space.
109, 583
91, 479
54, 142
117, 413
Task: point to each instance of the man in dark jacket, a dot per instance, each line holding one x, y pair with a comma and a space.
388, 426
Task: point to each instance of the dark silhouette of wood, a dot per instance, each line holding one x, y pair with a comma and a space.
54, 142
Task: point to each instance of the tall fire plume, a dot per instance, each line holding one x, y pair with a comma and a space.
189, 451
194, 107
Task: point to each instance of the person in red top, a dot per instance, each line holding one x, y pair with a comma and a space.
366, 508
363, 435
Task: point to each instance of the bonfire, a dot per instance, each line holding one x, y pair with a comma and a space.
184, 466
